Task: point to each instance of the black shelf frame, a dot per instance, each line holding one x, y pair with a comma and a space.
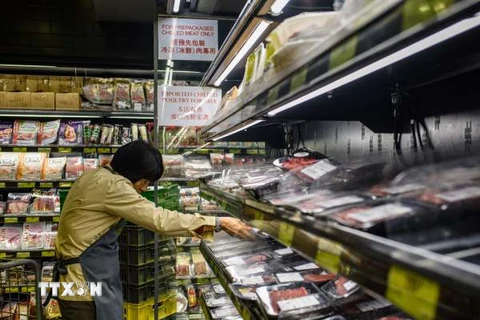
420, 282
83, 114
349, 50
29, 218
27, 254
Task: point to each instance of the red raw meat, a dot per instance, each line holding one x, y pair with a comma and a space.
255, 259
280, 295
312, 277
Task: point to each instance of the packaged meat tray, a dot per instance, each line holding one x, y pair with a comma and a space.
340, 288
247, 249
200, 266
367, 308
247, 260
9, 162
10, 237
218, 289
301, 265
260, 189
237, 273
288, 301
245, 292
174, 166
25, 132
18, 203
317, 276
183, 265
257, 280
213, 300
30, 167
224, 312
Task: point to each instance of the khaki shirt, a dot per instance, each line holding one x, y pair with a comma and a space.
98, 200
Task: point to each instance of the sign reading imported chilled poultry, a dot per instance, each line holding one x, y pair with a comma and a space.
187, 39
187, 106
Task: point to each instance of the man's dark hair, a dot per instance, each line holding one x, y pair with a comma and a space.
138, 160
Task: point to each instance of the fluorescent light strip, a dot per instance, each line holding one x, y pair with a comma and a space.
430, 41
238, 130
176, 5
278, 6
247, 46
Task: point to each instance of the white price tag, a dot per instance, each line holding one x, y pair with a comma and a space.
122, 104
252, 271
252, 280
284, 252
137, 106
234, 261
403, 189
459, 195
349, 285
318, 169
340, 201
380, 213
298, 303
289, 277
308, 266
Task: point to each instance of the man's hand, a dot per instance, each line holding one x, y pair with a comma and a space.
236, 228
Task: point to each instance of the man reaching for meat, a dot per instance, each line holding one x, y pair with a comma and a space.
93, 214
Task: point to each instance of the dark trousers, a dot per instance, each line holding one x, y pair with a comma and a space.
77, 310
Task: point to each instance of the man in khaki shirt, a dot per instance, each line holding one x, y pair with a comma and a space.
96, 207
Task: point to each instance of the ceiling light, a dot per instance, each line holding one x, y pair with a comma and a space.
278, 6
406, 52
176, 5
247, 46
238, 130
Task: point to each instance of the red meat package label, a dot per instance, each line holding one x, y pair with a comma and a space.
380, 213
298, 303
318, 169
459, 195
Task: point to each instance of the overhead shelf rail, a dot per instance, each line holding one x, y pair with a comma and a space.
396, 31
425, 284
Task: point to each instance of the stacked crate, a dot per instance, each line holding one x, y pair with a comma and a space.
137, 259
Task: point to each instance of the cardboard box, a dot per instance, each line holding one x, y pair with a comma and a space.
65, 85
8, 83
3, 100
17, 100
32, 83
43, 84
20, 83
67, 101
42, 100
54, 85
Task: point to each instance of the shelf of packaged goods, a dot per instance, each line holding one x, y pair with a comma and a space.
228, 202
29, 218
104, 149
245, 312
42, 184
18, 289
189, 316
395, 33
25, 254
425, 284
82, 114
205, 309
242, 151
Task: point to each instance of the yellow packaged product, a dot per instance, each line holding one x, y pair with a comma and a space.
30, 167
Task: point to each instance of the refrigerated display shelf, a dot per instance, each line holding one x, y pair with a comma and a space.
18, 289
24, 254
205, 309
42, 184
60, 149
351, 54
30, 218
425, 284
87, 114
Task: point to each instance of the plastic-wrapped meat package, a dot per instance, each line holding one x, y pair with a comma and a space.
215, 300
18, 203
367, 307
3, 207
149, 95
220, 159
6, 132
50, 235
290, 300
314, 276
74, 168
91, 91
90, 164
183, 265
33, 234
257, 280
121, 96
189, 198
247, 259
30, 167
294, 163
138, 96
45, 202
48, 132
104, 159
236, 273
53, 168
142, 130
9, 162
9, 310
71, 133
197, 167
200, 266
224, 312
105, 91
320, 171
340, 288
10, 236
25, 132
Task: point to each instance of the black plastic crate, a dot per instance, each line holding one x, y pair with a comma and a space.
137, 256
138, 294
135, 275
133, 235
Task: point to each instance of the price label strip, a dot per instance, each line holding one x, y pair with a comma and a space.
286, 233
46, 185
11, 220
48, 254
414, 293
32, 219
329, 255
23, 254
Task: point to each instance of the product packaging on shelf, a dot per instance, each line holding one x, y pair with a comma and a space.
74, 168
30, 167
340, 288
104, 159
18, 100
9, 162
6, 132
33, 235
18, 203
71, 133
121, 95
10, 237
183, 267
138, 96
197, 167
67, 101
25, 132
48, 132
89, 164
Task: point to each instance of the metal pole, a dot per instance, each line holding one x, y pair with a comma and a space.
156, 143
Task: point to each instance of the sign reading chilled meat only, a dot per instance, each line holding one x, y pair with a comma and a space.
187, 106
187, 39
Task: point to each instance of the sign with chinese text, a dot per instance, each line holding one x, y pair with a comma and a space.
187, 39
187, 106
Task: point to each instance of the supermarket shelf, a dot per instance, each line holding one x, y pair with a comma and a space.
245, 312
30, 218
392, 27
83, 114
18, 289
60, 149
205, 310
422, 283
24, 254
44, 184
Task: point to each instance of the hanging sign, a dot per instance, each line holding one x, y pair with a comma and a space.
187, 39
187, 106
